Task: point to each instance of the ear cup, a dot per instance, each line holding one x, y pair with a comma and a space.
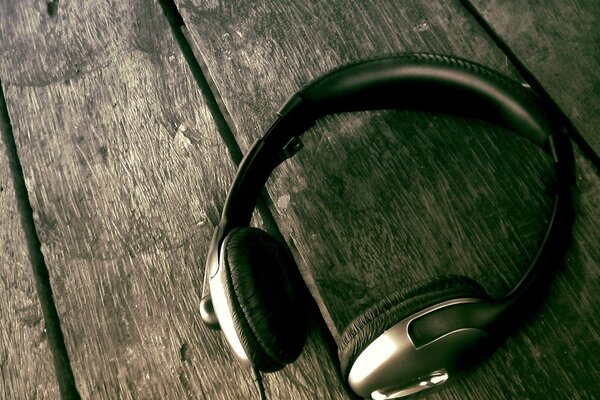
267, 317
374, 321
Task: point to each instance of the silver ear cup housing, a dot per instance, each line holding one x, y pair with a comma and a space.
402, 362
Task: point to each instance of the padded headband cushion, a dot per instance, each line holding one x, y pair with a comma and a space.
374, 321
428, 82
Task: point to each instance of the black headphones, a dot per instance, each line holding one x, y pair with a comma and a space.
414, 339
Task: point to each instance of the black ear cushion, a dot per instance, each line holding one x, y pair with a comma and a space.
374, 321
267, 317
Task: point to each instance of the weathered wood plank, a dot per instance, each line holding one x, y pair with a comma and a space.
559, 42
126, 174
26, 368
378, 200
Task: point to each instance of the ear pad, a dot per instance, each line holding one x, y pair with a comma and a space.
266, 316
374, 321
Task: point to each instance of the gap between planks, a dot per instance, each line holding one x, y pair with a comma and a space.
215, 104
225, 127
56, 341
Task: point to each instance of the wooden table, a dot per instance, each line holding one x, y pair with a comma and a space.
122, 124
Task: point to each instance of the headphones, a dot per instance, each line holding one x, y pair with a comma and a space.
416, 338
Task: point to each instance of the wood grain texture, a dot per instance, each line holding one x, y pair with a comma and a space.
559, 42
26, 368
379, 200
126, 175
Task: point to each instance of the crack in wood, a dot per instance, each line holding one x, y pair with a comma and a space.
62, 366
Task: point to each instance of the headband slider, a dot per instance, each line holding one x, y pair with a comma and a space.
290, 149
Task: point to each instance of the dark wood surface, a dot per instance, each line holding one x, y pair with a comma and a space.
127, 170
559, 43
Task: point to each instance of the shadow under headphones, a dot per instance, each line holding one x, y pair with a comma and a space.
416, 338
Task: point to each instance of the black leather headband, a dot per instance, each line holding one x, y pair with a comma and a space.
423, 82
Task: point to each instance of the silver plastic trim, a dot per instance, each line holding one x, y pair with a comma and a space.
433, 380
224, 312
393, 366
